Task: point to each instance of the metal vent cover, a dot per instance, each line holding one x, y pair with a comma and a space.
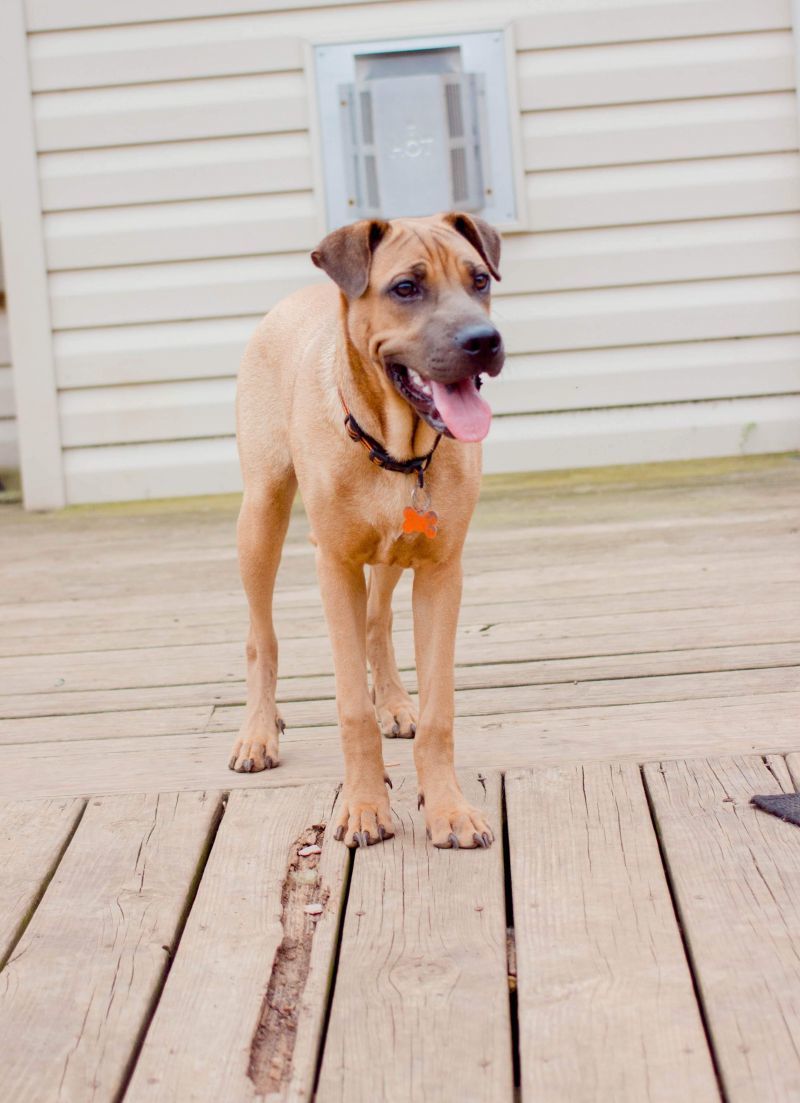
413, 144
418, 125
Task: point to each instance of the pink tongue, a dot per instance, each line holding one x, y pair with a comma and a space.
464, 412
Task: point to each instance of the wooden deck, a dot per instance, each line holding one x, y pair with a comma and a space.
628, 677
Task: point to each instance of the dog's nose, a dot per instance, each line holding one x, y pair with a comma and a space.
481, 342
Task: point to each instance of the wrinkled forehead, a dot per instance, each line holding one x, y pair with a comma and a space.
424, 247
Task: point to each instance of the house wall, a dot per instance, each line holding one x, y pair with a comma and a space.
651, 304
8, 422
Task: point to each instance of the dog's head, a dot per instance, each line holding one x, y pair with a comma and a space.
417, 295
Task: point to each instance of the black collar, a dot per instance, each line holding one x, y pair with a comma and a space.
378, 454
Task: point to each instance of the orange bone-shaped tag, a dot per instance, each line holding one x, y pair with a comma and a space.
414, 521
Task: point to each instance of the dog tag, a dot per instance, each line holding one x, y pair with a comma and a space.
418, 517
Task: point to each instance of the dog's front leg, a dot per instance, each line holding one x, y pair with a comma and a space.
365, 816
450, 820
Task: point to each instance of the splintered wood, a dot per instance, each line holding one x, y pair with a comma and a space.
252, 971
303, 901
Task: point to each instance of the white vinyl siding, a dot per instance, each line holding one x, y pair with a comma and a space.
651, 306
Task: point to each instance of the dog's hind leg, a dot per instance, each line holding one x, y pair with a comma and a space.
263, 520
396, 712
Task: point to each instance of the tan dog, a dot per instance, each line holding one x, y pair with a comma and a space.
402, 342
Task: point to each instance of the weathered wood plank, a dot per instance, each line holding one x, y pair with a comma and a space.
764, 723
208, 541
33, 835
478, 676
499, 700
735, 875
605, 1000
214, 662
61, 593
77, 990
85, 629
421, 1007
483, 701
779, 768
542, 564
250, 955
210, 545
96, 725
541, 567
793, 764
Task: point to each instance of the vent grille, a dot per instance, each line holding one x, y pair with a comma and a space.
360, 155
455, 112
458, 170
367, 128
371, 174
464, 140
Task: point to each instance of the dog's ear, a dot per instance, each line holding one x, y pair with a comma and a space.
346, 255
480, 235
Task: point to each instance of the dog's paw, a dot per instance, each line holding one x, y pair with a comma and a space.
456, 826
397, 717
256, 749
363, 822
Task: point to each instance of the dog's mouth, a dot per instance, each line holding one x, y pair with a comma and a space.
455, 409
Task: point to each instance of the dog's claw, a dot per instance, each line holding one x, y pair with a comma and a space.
451, 838
396, 728
281, 725
420, 801
388, 781
268, 763
232, 762
487, 839
338, 834
479, 840
382, 832
247, 765
413, 730
362, 838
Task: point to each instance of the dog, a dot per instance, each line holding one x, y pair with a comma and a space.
364, 391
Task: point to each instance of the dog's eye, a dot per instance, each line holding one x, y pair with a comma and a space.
481, 281
405, 289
